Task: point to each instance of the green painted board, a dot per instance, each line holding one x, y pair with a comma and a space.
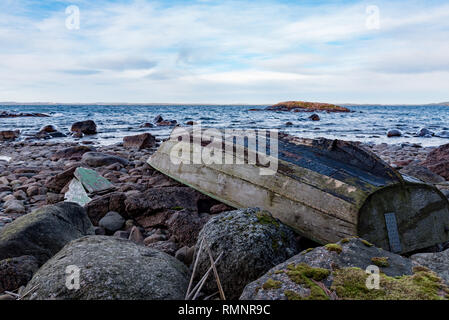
77, 193
92, 181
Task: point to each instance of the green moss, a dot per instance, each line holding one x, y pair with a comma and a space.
291, 295
350, 284
345, 240
279, 271
177, 208
264, 217
366, 243
271, 284
307, 250
380, 261
308, 276
333, 247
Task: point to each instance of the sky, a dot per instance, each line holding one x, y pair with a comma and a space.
224, 52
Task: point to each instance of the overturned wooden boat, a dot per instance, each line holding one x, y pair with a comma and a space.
326, 190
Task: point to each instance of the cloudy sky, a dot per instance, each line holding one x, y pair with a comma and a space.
208, 51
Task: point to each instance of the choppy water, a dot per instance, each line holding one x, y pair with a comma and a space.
367, 123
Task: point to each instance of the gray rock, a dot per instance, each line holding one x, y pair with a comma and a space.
112, 221
16, 272
354, 253
422, 173
394, 133
85, 127
14, 206
252, 242
424, 132
98, 159
111, 269
44, 232
438, 262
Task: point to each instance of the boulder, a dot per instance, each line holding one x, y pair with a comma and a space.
394, 133
438, 262
438, 161
112, 222
9, 135
85, 127
159, 199
44, 232
314, 117
422, 173
16, 272
424, 132
72, 152
338, 271
251, 242
141, 141
111, 269
158, 119
14, 206
98, 159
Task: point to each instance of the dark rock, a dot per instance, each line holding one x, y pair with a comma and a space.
44, 232
424, 132
9, 135
98, 159
185, 226
422, 173
289, 124
85, 127
146, 125
97, 208
219, 208
158, 119
141, 141
112, 222
394, 133
349, 253
252, 242
16, 272
72, 152
57, 182
438, 161
315, 117
159, 199
111, 269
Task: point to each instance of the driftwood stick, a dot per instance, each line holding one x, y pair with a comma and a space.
194, 268
217, 277
203, 279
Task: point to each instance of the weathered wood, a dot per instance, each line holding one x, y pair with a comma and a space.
326, 190
92, 181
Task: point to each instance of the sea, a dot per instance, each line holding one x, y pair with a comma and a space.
367, 123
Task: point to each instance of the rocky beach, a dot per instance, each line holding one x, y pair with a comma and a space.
150, 229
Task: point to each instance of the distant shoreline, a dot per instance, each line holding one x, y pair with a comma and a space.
442, 104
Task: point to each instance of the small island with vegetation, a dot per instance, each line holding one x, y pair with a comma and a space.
303, 106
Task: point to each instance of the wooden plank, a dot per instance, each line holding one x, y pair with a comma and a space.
77, 193
92, 181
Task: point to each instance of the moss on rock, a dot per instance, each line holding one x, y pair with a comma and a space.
350, 284
271, 284
380, 261
308, 277
333, 247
